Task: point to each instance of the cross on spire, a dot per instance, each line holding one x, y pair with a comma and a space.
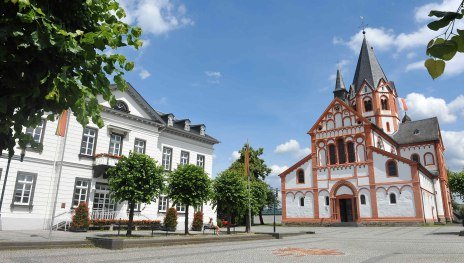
363, 26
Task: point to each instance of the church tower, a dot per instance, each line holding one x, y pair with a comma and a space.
371, 94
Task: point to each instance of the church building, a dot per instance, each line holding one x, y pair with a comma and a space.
367, 165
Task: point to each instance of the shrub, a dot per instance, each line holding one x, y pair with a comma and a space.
170, 220
197, 224
219, 222
80, 219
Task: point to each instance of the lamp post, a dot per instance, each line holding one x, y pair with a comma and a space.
274, 206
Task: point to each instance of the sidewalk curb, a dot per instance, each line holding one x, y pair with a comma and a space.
44, 245
118, 243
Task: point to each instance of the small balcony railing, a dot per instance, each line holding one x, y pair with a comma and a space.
106, 215
102, 162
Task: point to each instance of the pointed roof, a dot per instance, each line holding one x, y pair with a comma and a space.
368, 67
406, 118
339, 84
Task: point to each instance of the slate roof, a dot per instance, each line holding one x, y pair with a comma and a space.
418, 131
339, 84
368, 67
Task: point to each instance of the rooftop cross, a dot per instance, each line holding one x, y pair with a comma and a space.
363, 26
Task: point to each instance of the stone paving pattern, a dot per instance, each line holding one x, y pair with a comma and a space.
351, 244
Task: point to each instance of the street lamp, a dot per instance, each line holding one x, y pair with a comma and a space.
275, 198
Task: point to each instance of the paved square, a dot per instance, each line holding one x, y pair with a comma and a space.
343, 244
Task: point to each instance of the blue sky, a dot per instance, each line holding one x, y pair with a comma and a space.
263, 71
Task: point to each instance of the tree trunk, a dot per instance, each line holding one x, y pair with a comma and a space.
131, 218
186, 219
229, 221
261, 221
247, 223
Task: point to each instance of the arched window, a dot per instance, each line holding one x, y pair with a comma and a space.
392, 168
301, 201
300, 176
392, 198
384, 103
121, 105
388, 127
415, 157
351, 154
363, 199
341, 151
428, 159
327, 201
332, 154
367, 105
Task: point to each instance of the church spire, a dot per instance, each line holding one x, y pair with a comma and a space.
368, 67
340, 90
339, 84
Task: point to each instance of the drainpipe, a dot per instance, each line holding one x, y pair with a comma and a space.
422, 201
435, 199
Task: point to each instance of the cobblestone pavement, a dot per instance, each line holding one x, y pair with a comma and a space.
343, 244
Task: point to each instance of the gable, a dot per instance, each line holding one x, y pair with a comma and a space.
338, 115
136, 104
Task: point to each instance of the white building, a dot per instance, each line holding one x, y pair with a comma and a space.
366, 165
133, 125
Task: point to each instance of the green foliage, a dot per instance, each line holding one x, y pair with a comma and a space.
444, 48
456, 183
52, 58
197, 224
170, 220
259, 195
81, 219
136, 179
189, 185
258, 167
230, 195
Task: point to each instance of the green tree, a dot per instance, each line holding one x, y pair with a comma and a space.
52, 58
259, 196
230, 194
269, 202
258, 167
445, 46
456, 183
170, 220
135, 179
189, 185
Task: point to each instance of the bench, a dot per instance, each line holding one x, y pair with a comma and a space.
208, 227
161, 228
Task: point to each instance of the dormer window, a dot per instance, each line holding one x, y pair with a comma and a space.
121, 106
170, 120
187, 126
202, 130
416, 131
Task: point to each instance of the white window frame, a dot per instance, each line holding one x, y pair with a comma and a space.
108, 204
37, 131
82, 189
167, 158
180, 208
184, 157
88, 141
25, 183
162, 203
140, 145
201, 161
115, 145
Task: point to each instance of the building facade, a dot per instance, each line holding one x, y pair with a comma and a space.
72, 168
367, 165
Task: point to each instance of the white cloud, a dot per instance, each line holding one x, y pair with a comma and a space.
214, 77
292, 147
342, 65
426, 107
146, 43
419, 65
411, 55
144, 74
454, 150
379, 38
156, 16
422, 12
276, 169
235, 155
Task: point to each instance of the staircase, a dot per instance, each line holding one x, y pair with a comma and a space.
62, 226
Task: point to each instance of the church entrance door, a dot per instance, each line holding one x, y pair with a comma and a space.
346, 210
